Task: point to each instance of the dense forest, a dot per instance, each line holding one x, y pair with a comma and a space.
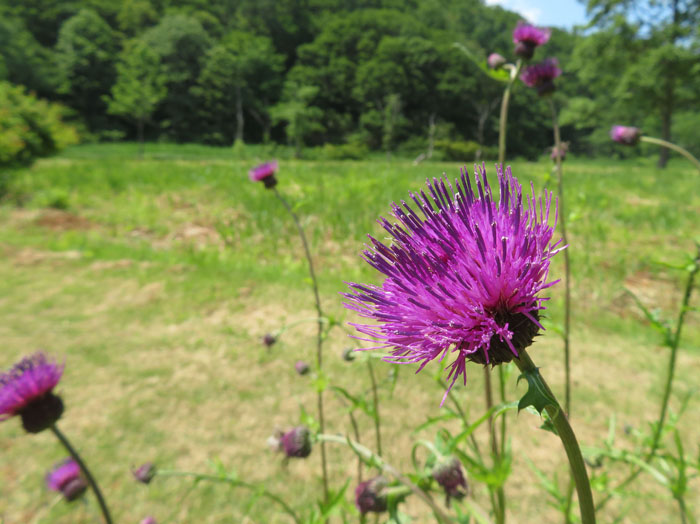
358, 74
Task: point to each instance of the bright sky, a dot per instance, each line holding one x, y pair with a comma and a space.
560, 13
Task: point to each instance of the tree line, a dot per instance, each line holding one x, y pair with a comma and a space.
363, 74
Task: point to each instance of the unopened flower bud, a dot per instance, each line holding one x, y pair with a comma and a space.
626, 135
145, 472
495, 61
269, 339
448, 473
296, 443
149, 520
301, 367
348, 354
370, 495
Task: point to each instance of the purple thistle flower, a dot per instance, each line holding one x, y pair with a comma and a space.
542, 76
301, 367
296, 443
450, 476
269, 340
527, 37
464, 278
370, 495
66, 478
27, 390
626, 135
149, 520
265, 173
495, 61
145, 472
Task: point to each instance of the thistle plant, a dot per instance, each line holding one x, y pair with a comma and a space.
631, 136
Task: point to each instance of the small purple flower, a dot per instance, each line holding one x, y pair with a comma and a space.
462, 279
265, 173
450, 476
495, 61
527, 37
301, 367
149, 520
626, 135
542, 76
370, 495
27, 390
144, 473
65, 477
296, 443
555, 152
269, 340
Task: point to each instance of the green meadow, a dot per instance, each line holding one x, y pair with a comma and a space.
155, 277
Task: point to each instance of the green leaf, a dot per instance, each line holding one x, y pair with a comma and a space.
537, 395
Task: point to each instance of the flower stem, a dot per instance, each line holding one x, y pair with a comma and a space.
567, 263
375, 404
677, 149
675, 342
503, 120
91, 480
236, 483
568, 439
319, 337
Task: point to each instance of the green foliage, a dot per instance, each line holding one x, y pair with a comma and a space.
464, 151
29, 127
301, 117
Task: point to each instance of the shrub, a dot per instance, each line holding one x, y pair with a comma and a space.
464, 151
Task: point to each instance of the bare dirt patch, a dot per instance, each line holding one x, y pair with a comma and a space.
59, 220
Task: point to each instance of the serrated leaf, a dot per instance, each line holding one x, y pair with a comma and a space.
537, 395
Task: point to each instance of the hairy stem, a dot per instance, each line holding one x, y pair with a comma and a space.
83, 467
319, 337
568, 439
375, 404
669, 145
567, 263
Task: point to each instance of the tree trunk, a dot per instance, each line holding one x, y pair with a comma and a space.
139, 130
669, 93
239, 117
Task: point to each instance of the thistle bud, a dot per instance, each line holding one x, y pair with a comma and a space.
448, 473
269, 340
296, 443
370, 495
66, 478
348, 354
301, 367
495, 61
144, 473
626, 135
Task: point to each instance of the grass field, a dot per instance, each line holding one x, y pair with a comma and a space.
156, 277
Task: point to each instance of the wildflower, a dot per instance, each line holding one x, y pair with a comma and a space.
348, 354
542, 76
149, 520
448, 473
269, 340
296, 443
527, 37
370, 495
27, 390
65, 477
145, 473
626, 135
463, 279
495, 61
301, 367
265, 173
555, 151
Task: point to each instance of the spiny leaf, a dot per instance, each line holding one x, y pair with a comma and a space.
537, 395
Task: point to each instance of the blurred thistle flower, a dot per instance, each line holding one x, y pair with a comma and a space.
66, 478
269, 340
626, 135
555, 151
27, 390
542, 75
265, 173
495, 61
464, 278
301, 367
349, 354
370, 495
145, 472
295, 443
527, 37
448, 473
149, 520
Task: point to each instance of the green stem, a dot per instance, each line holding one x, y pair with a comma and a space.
674, 147
567, 263
374, 459
375, 404
463, 416
234, 482
83, 467
675, 342
503, 121
569, 501
319, 337
568, 439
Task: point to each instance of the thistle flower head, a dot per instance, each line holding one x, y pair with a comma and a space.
27, 390
463, 279
65, 477
542, 75
295, 443
145, 472
370, 495
301, 367
269, 340
626, 135
149, 520
495, 61
448, 473
527, 37
265, 173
